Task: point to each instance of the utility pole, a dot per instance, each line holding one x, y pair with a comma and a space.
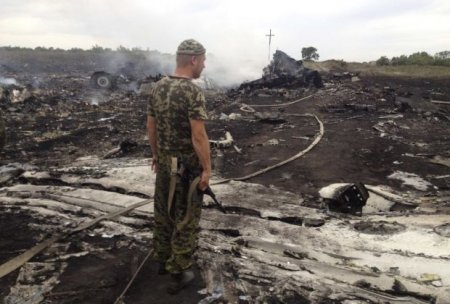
270, 41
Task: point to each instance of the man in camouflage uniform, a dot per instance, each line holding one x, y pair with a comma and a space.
175, 122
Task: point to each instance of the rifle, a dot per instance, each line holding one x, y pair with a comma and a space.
208, 191
190, 175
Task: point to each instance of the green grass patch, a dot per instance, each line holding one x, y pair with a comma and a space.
369, 69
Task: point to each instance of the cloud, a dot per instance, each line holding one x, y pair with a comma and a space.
234, 30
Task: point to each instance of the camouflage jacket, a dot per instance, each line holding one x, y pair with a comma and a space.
173, 102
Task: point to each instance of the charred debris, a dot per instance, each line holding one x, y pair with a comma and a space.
285, 72
359, 215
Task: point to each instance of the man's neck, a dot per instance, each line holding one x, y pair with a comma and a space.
183, 73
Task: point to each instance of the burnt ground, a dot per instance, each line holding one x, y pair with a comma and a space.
63, 119
351, 150
60, 123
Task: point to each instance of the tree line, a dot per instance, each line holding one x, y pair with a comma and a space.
95, 49
418, 58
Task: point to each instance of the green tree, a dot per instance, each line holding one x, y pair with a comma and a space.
96, 48
420, 58
442, 58
76, 49
122, 49
383, 60
310, 53
401, 60
442, 55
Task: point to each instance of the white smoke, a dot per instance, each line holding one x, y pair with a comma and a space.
223, 72
227, 72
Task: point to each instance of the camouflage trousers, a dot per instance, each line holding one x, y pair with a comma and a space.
173, 246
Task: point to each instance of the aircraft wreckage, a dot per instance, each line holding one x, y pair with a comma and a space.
308, 219
268, 245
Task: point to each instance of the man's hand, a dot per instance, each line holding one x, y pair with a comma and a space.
204, 180
154, 165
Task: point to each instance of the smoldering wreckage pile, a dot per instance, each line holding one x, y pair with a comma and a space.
359, 214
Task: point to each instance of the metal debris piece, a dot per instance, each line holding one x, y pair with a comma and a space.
443, 230
124, 147
224, 142
272, 142
441, 102
284, 71
412, 180
270, 117
345, 198
440, 160
429, 277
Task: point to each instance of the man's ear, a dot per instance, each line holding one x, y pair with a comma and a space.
193, 60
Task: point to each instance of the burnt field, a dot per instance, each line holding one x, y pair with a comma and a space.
66, 137
373, 127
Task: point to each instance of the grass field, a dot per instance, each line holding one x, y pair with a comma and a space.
367, 69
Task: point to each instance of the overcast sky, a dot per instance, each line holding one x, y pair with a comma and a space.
234, 30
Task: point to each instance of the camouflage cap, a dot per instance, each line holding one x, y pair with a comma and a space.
190, 47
